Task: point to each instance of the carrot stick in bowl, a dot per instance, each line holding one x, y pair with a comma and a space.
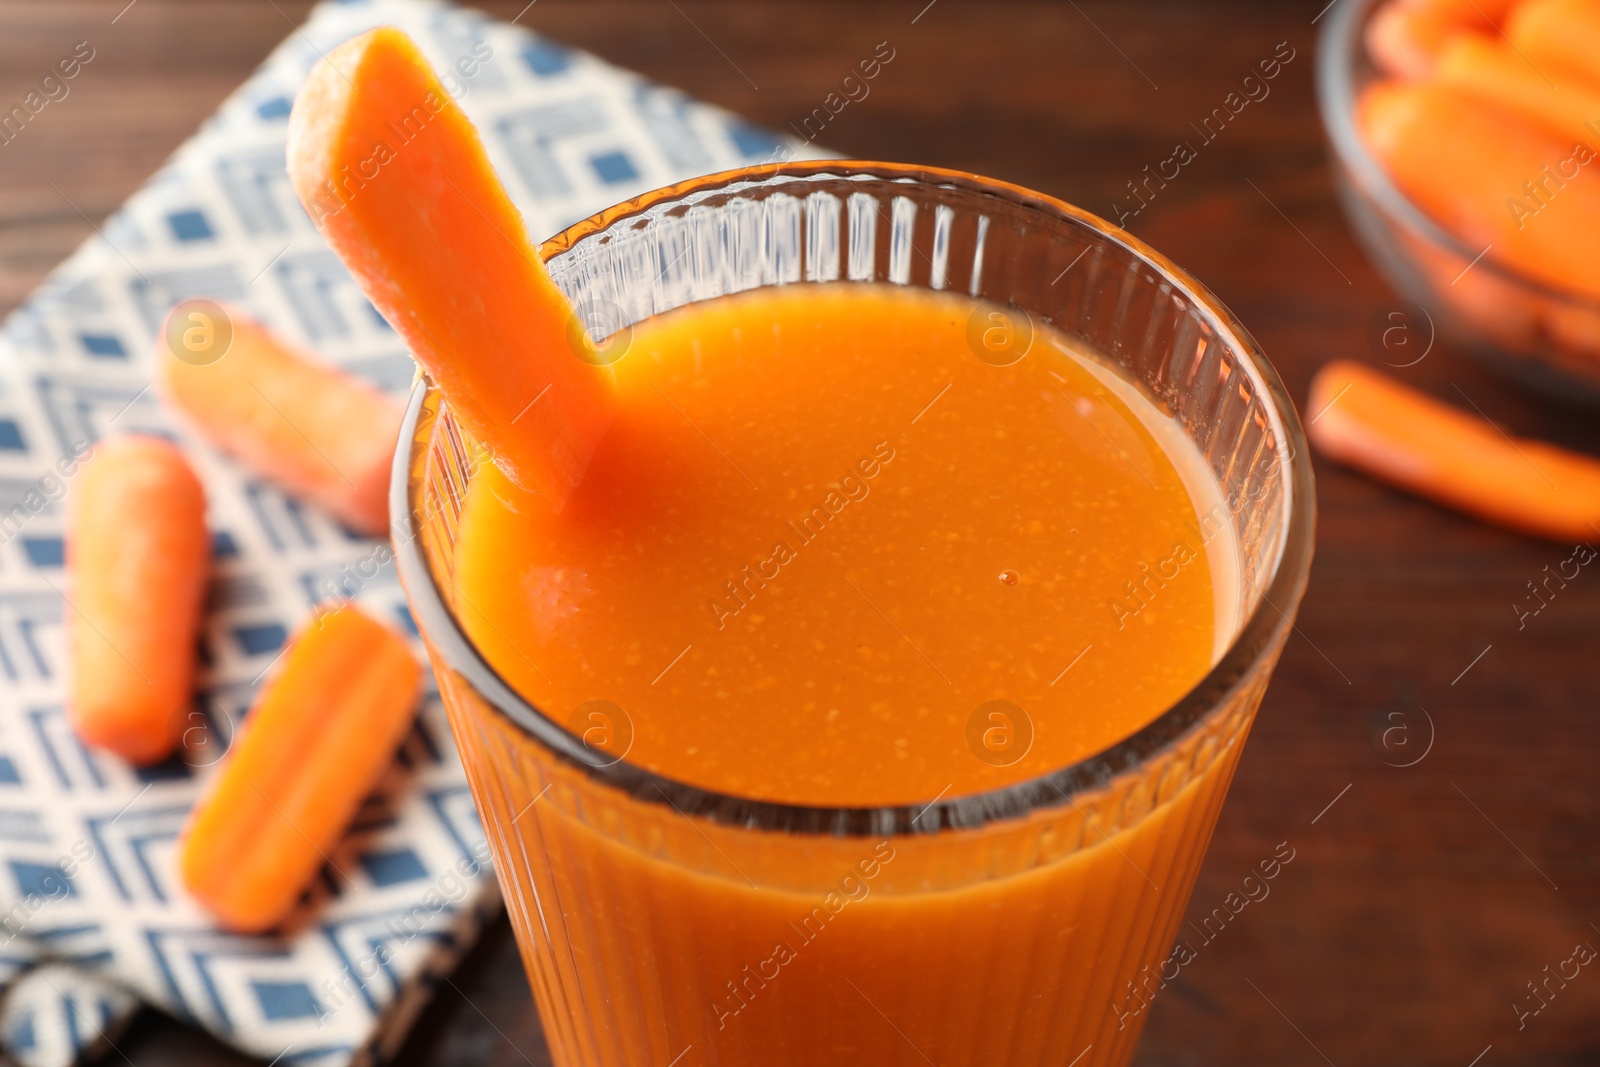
318, 432
1496, 74
1560, 37
1467, 166
397, 180
1405, 37
137, 554
1367, 420
317, 740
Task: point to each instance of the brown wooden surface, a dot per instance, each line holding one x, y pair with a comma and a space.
1422, 901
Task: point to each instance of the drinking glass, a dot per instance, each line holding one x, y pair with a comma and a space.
661, 923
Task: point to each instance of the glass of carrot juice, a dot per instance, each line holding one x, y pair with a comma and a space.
873, 698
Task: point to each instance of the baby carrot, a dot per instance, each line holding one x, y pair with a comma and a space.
1367, 420
315, 430
315, 743
1560, 37
1405, 37
1486, 176
1493, 72
137, 555
395, 177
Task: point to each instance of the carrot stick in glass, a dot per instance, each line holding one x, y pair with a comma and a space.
1367, 420
396, 178
137, 554
315, 743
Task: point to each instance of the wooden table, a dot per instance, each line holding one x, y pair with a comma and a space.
1421, 898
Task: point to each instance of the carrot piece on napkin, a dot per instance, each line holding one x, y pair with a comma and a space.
396, 178
315, 430
1367, 420
137, 556
1560, 37
314, 745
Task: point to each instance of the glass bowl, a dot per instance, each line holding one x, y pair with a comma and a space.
1545, 338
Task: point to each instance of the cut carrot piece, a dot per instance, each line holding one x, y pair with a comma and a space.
395, 177
1561, 37
137, 556
316, 741
1405, 37
1369, 421
1490, 179
1493, 72
316, 431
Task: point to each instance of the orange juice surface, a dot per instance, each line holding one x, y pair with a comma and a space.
842, 547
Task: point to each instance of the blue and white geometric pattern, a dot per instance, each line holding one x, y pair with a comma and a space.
92, 918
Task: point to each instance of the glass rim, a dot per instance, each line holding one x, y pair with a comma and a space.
1247, 654
1339, 47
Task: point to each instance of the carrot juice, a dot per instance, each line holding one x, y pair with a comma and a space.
850, 546
822, 532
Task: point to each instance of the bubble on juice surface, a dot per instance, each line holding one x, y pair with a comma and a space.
1008, 577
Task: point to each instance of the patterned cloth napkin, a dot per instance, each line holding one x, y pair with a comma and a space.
92, 919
